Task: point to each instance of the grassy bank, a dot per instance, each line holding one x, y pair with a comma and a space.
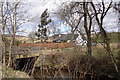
75, 60
114, 37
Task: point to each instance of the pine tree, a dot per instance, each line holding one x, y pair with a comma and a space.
42, 30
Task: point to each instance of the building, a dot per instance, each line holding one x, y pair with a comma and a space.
80, 40
77, 38
66, 38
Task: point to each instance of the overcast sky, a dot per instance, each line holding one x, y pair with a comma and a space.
36, 7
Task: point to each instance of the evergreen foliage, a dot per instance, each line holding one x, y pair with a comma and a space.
42, 29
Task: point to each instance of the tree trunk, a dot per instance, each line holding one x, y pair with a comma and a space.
89, 49
12, 43
107, 47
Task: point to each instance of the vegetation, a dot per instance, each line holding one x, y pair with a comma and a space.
15, 73
74, 60
114, 37
61, 60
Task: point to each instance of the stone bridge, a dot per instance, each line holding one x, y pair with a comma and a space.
26, 56
35, 49
27, 52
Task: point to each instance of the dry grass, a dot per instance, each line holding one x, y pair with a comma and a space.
76, 60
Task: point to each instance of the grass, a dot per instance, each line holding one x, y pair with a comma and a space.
10, 73
97, 51
101, 61
114, 37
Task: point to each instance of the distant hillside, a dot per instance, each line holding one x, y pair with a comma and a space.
20, 38
114, 37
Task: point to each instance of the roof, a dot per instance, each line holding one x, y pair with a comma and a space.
55, 36
66, 37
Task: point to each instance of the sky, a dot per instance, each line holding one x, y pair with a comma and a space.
36, 7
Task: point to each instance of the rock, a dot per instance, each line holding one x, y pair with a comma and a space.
10, 73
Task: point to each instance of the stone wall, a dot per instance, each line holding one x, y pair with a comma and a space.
48, 45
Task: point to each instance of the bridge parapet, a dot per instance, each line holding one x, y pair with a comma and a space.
24, 50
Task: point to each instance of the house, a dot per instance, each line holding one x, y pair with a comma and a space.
77, 38
81, 40
60, 38
51, 38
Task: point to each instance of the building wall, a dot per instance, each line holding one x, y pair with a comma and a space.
80, 41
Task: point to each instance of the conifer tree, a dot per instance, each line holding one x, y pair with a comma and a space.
42, 29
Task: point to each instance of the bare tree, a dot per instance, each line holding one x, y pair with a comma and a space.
52, 28
117, 6
70, 14
102, 11
12, 18
13, 25
76, 13
88, 16
3, 19
3, 23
